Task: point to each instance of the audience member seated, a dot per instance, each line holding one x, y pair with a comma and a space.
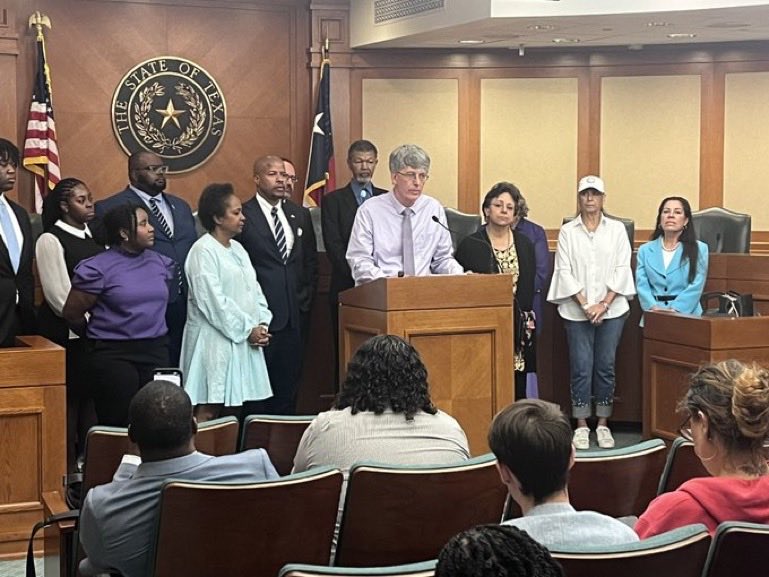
117, 521
532, 441
123, 292
382, 413
673, 266
498, 248
495, 551
727, 419
227, 314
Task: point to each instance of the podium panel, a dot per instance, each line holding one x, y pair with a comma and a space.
33, 433
676, 345
463, 330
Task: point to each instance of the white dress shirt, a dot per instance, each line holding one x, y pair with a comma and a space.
162, 203
267, 210
593, 263
376, 251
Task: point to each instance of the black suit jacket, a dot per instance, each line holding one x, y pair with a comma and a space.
282, 283
338, 211
474, 253
21, 281
176, 248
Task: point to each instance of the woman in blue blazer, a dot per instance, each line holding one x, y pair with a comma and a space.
672, 267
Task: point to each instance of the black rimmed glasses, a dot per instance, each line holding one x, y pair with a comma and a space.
156, 168
685, 430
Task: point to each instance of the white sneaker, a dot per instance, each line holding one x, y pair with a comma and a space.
605, 440
581, 438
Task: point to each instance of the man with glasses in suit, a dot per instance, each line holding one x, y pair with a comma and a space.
174, 225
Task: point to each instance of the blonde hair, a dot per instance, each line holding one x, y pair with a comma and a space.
735, 398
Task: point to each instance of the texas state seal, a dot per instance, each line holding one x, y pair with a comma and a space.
172, 107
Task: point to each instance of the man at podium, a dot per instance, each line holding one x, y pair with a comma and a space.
403, 232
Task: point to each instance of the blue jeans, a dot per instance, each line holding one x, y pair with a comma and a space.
592, 349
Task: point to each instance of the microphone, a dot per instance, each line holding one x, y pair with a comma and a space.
485, 243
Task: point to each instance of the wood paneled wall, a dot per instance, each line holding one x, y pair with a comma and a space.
709, 65
256, 51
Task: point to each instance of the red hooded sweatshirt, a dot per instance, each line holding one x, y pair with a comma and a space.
707, 500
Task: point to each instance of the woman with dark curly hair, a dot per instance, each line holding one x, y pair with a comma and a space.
495, 551
383, 412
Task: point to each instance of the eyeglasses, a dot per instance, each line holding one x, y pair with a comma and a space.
156, 168
289, 178
685, 430
501, 205
415, 176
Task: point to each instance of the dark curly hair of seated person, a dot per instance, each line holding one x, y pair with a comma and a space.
386, 373
495, 551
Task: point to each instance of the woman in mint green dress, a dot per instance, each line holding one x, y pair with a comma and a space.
227, 315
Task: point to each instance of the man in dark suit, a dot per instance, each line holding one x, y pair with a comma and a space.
272, 236
174, 234
308, 283
337, 216
17, 285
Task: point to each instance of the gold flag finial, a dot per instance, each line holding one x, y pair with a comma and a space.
38, 20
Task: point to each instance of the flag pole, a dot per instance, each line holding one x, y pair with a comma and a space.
39, 20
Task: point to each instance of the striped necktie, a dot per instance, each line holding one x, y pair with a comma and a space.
167, 231
280, 235
161, 219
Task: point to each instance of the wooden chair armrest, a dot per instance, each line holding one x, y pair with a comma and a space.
54, 504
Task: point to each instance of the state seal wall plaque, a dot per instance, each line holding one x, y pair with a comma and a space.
172, 107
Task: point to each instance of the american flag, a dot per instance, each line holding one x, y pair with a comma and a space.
41, 153
320, 169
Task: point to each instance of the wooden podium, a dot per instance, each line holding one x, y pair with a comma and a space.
462, 326
674, 346
32, 436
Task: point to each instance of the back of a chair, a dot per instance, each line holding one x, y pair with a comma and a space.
617, 482
722, 230
461, 224
218, 437
104, 448
426, 569
248, 530
405, 514
681, 465
738, 549
679, 553
279, 435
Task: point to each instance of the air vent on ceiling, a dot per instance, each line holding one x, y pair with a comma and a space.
388, 10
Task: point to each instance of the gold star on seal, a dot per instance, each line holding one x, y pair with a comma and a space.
169, 113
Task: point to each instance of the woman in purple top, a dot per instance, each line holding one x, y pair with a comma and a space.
118, 300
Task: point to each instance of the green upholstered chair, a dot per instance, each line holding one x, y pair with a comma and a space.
279, 435
425, 569
405, 514
245, 530
679, 553
738, 549
617, 482
461, 225
681, 465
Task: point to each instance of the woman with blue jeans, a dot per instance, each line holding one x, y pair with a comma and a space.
592, 282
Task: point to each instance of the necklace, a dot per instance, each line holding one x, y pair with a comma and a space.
666, 249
